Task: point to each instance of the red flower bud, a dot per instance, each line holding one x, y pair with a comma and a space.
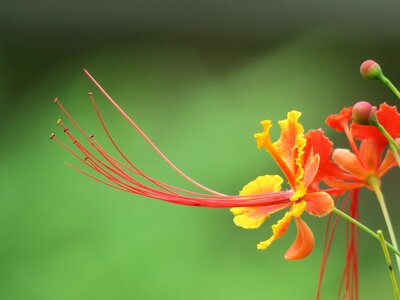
370, 69
363, 113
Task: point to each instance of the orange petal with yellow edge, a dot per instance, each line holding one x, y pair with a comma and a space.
291, 135
304, 243
319, 203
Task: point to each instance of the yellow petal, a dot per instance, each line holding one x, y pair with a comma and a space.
253, 217
277, 231
262, 185
300, 192
298, 208
263, 138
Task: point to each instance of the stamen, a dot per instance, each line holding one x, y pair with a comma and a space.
140, 131
137, 171
70, 118
350, 139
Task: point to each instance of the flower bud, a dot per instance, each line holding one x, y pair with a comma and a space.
363, 113
370, 69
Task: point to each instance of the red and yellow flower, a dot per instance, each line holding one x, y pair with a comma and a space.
300, 165
303, 158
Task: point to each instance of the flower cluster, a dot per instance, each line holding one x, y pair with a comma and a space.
316, 173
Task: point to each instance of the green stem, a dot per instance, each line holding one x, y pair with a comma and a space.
395, 154
389, 264
390, 85
374, 183
391, 141
364, 228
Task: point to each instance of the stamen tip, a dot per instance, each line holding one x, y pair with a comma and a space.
55, 100
90, 94
59, 122
52, 136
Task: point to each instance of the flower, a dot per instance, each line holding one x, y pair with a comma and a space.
354, 169
365, 162
299, 156
300, 165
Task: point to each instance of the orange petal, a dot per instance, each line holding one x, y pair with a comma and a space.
370, 155
304, 243
311, 169
337, 121
388, 162
291, 133
341, 184
318, 143
348, 162
319, 203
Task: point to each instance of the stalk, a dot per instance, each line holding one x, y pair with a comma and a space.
374, 183
365, 229
389, 264
390, 85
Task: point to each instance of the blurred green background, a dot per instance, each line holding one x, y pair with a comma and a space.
198, 76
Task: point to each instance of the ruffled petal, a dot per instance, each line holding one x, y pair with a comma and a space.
301, 190
337, 121
278, 230
348, 162
304, 243
253, 217
281, 226
318, 143
263, 139
288, 150
262, 185
290, 139
319, 203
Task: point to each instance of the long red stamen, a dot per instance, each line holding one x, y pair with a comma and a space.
112, 175
140, 131
123, 176
349, 281
328, 240
351, 139
134, 168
